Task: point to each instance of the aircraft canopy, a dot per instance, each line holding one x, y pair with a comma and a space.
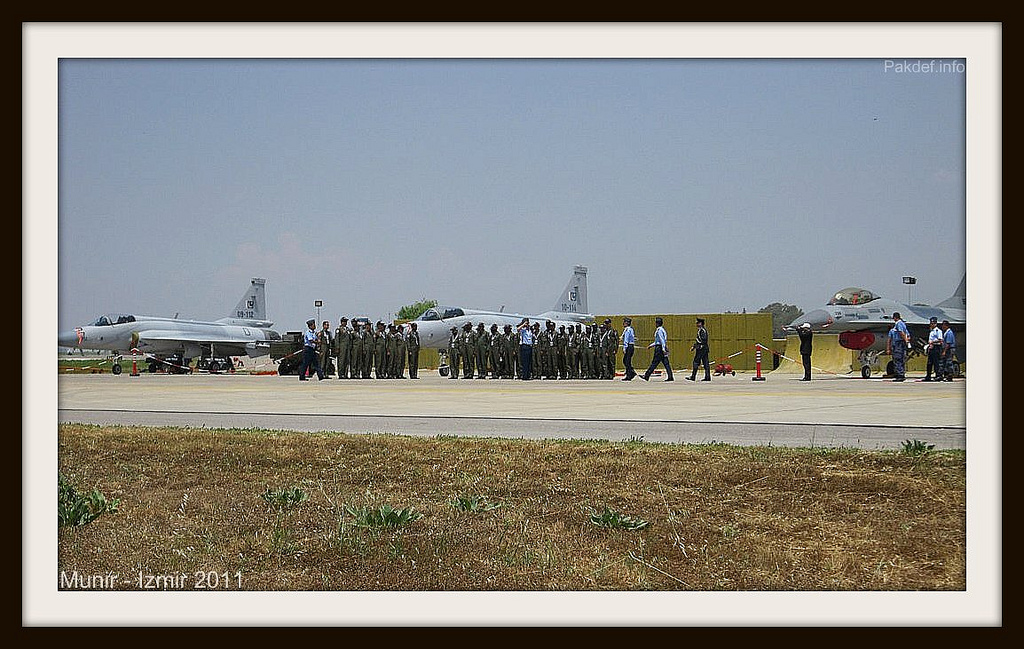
113, 319
441, 313
852, 296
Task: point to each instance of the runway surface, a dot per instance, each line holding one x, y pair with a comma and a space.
831, 411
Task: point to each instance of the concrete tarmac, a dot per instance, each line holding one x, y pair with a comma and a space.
829, 411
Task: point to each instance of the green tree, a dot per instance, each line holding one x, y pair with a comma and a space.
413, 311
782, 315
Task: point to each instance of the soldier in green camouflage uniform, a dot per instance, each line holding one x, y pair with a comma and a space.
602, 353
401, 351
343, 347
453, 354
482, 346
390, 349
496, 359
561, 343
510, 371
545, 349
323, 348
540, 351
412, 344
595, 341
467, 349
357, 351
369, 349
572, 351
610, 341
380, 341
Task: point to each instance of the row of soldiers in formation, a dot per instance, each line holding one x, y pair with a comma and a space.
364, 352
576, 352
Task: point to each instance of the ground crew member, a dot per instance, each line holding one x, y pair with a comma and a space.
412, 345
343, 347
309, 356
324, 344
700, 349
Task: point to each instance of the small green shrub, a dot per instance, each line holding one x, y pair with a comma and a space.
613, 519
285, 498
916, 447
383, 516
75, 509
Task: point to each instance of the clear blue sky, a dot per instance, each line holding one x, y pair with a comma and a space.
683, 185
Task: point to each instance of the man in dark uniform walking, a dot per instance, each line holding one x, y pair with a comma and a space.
700, 349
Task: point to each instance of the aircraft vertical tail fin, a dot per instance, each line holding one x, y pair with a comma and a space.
252, 308
958, 300
572, 304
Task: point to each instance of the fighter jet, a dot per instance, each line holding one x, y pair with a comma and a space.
173, 342
863, 320
435, 324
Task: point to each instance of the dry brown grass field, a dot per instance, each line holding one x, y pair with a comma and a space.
505, 515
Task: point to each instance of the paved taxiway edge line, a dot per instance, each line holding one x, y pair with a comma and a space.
517, 419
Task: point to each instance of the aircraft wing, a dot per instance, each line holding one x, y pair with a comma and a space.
226, 343
170, 336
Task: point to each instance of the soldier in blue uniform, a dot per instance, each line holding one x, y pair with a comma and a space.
897, 344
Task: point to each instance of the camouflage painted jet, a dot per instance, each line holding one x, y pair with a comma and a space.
863, 320
175, 342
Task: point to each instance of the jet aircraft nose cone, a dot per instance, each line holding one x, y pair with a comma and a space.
68, 338
818, 319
